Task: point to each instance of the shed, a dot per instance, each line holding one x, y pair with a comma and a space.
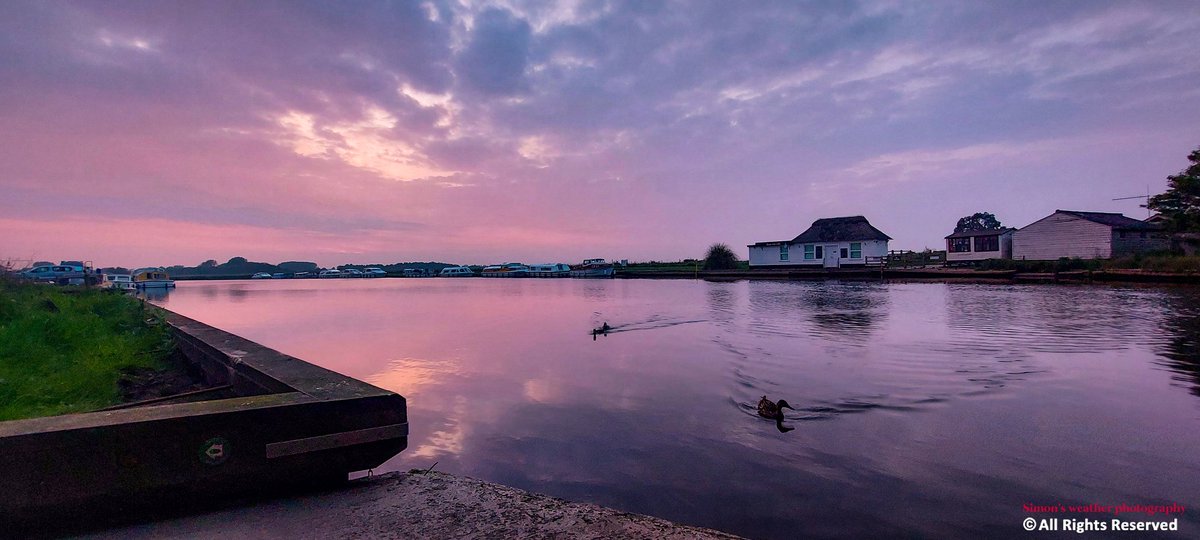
1086, 235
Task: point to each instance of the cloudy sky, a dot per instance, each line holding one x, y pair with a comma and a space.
173, 132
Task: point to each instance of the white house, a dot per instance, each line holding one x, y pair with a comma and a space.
968, 246
1086, 235
829, 243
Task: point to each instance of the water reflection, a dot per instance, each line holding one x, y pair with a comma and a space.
1181, 325
154, 294
967, 399
844, 311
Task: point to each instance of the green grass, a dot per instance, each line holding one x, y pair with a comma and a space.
690, 265
1153, 262
62, 349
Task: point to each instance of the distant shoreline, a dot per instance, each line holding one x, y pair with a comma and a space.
934, 274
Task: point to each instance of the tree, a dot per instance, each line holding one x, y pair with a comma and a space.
720, 257
1180, 204
978, 221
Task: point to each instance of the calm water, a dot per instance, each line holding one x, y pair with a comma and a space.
923, 409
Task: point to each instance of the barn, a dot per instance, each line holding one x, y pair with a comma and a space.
1086, 235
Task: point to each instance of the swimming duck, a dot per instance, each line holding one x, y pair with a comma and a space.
772, 410
602, 331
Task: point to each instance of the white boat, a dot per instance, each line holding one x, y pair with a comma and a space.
152, 278
549, 270
123, 282
261, 275
509, 270
593, 268
456, 271
374, 271
331, 273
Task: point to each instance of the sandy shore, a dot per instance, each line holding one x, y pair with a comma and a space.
404, 505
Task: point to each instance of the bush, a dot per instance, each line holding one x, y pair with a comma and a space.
720, 257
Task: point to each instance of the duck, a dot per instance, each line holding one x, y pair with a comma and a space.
772, 410
602, 331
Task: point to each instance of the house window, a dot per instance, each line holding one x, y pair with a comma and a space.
855, 250
987, 243
783, 252
809, 252
960, 245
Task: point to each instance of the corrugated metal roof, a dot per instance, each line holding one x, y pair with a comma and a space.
1114, 220
981, 232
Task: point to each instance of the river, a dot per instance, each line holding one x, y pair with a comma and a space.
921, 409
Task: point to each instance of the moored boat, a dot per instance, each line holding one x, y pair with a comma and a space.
549, 270
456, 271
506, 270
152, 278
593, 268
122, 282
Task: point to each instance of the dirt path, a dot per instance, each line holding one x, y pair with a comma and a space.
403, 505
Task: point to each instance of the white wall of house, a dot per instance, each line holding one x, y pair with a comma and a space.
1005, 251
1062, 235
770, 255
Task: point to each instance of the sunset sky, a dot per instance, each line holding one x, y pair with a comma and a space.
136, 133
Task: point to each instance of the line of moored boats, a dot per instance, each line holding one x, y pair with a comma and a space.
590, 268
82, 273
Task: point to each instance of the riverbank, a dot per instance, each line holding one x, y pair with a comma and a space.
67, 350
415, 505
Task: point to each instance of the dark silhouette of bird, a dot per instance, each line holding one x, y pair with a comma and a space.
603, 330
772, 410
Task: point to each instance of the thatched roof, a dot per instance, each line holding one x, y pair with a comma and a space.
841, 229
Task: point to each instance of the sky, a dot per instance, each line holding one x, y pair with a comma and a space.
165, 132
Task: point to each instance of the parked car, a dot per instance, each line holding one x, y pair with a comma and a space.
65, 273
40, 273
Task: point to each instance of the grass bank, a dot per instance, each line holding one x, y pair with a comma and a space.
63, 350
689, 265
1149, 263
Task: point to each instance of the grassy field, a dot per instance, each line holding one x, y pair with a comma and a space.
62, 350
